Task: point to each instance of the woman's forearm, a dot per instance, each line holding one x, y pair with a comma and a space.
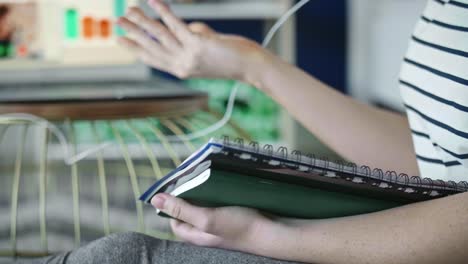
358, 132
429, 232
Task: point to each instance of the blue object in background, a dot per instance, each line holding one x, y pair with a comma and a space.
321, 39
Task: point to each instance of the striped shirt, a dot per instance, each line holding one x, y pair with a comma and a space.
434, 88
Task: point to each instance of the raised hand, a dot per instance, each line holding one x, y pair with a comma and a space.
192, 50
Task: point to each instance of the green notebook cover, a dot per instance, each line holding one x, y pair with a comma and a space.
299, 186
223, 188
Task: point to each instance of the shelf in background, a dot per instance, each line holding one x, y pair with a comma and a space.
230, 9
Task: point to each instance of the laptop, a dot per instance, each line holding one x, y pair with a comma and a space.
101, 100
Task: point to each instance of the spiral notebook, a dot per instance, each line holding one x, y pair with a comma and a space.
231, 173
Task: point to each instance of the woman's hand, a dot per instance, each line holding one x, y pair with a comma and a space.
234, 228
192, 50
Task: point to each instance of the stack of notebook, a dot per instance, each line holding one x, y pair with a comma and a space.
225, 173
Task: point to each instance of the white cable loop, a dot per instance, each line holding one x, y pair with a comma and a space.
232, 96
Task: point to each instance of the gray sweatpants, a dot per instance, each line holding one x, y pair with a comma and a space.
137, 248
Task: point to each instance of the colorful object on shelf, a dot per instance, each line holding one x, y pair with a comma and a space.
22, 50
105, 28
7, 50
19, 38
3, 50
120, 7
88, 27
10, 50
67, 32
93, 25
71, 24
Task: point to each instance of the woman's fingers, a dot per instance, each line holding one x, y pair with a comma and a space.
177, 26
157, 63
153, 27
202, 218
191, 234
144, 55
130, 44
138, 35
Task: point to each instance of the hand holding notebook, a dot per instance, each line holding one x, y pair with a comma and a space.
231, 174
226, 227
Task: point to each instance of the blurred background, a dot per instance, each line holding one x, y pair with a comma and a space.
68, 48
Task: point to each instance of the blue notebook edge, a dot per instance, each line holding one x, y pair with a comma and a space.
150, 192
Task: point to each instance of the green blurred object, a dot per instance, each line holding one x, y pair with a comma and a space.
119, 10
3, 50
10, 50
200, 120
71, 24
254, 111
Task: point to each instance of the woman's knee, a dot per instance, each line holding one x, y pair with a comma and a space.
126, 238
118, 248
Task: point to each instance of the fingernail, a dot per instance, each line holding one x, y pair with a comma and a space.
158, 201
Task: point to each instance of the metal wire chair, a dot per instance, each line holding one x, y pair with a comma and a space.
48, 207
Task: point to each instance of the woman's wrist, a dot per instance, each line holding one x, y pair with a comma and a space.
289, 239
272, 239
256, 66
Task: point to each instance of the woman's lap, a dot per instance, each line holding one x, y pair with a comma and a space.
138, 248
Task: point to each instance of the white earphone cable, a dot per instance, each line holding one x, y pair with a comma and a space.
232, 96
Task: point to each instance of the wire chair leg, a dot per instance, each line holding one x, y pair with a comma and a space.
15, 188
43, 190
102, 183
133, 177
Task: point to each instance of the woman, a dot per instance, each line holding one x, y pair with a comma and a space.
434, 86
